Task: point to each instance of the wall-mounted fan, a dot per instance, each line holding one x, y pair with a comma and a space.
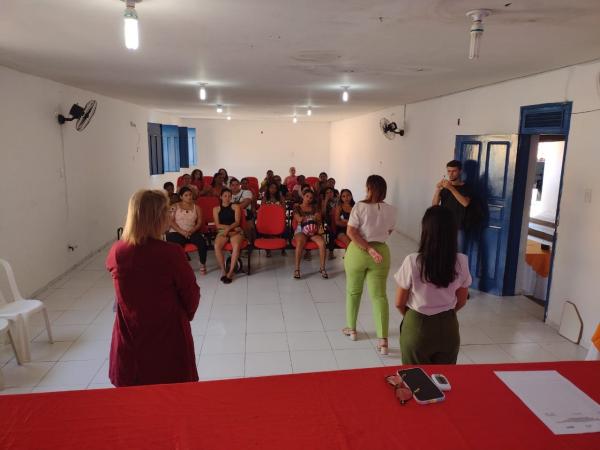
83, 115
390, 129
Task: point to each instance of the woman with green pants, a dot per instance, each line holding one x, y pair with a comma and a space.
368, 257
433, 285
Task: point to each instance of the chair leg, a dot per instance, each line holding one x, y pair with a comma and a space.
14, 347
48, 329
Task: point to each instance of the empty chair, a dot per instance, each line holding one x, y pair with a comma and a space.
20, 308
270, 225
5, 329
313, 182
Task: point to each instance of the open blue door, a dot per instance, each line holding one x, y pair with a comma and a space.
489, 164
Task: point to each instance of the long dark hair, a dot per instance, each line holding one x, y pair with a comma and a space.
269, 196
377, 189
438, 247
352, 202
199, 177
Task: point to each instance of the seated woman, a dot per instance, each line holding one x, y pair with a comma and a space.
185, 225
297, 189
228, 218
184, 180
291, 180
272, 195
282, 187
226, 179
198, 181
433, 285
217, 185
265, 183
327, 204
341, 215
156, 299
170, 189
309, 228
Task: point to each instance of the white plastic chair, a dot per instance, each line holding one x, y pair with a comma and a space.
19, 310
4, 329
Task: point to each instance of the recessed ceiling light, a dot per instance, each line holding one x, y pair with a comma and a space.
219, 109
295, 119
309, 111
345, 94
132, 38
202, 91
228, 117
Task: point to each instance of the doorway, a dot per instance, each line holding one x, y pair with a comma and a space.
540, 213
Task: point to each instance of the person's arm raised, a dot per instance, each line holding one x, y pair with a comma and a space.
462, 199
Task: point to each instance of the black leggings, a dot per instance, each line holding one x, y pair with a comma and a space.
197, 239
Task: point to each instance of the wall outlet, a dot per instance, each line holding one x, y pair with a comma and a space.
587, 196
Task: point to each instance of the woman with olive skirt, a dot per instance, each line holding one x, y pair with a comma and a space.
368, 257
433, 284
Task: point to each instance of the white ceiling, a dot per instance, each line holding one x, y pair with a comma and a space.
271, 58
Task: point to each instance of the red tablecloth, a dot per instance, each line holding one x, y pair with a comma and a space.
330, 410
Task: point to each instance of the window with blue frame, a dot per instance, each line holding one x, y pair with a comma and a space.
170, 143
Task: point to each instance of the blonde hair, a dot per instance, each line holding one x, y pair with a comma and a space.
147, 216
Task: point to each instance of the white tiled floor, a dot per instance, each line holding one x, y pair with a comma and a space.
265, 324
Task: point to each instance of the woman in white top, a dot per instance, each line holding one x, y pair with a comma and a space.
432, 285
368, 256
186, 221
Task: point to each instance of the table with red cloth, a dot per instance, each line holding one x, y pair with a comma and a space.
352, 409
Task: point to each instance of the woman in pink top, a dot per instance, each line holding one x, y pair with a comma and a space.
186, 223
291, 180
433, 285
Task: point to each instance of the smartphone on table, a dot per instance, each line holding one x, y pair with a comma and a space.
423, 388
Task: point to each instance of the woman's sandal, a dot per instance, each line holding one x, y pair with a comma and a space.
227, 280
324, 273
382, 349
202, 269
297, 275
350, 333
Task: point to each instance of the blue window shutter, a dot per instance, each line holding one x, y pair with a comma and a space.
550, 118
193, 155
184, 160
170, 142
155, 152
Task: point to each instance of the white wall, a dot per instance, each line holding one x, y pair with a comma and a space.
413, 164
249, 148
41, 214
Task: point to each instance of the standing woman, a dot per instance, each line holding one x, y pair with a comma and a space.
157, 297
185, 225
227, 219
368, 256
308, 227
433, 285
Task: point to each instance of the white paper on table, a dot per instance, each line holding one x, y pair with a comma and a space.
557, 402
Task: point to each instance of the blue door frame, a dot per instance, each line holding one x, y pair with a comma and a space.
544, 119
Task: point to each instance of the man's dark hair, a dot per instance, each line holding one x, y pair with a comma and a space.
455, 163
232, 179
167, 184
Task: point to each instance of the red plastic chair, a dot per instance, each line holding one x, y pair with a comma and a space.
207, 180
229, 248
270, 221
179, 182
310, 245
253, 181
313, 182
207, 204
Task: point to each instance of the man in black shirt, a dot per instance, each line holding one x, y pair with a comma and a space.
454, 194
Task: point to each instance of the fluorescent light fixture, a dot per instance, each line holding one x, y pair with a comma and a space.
345, 94
476, 31
202, 91
309, 111
132, 38
219, 109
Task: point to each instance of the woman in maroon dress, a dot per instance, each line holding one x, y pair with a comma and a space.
157, 297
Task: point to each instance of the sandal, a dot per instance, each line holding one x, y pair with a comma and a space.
350, 333
382, 349
268, 252
223, 278
297, 275
331, 255
324, 273
227, 280
202, 269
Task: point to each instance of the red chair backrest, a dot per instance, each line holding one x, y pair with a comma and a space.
270, 220
252, 181
313, 181
255, 191
207, 204
179, 181
207, 180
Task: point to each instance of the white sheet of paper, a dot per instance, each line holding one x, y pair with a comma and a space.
557, 402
